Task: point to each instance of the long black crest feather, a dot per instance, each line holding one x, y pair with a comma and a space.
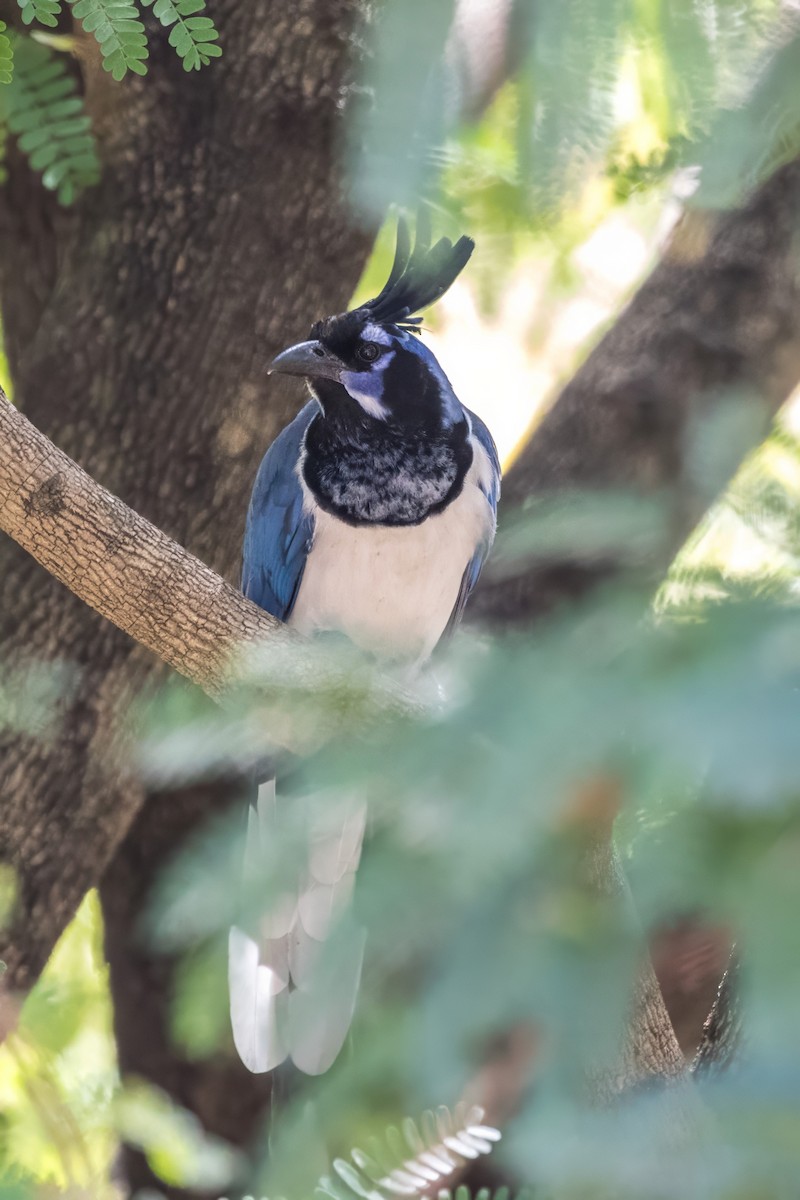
418, 277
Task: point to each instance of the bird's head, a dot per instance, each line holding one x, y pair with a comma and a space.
369, 362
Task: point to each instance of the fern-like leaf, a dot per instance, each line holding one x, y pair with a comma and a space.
45, 112
462, 1192
118, 28
413, 1159
44, 11
193, 38
6, 55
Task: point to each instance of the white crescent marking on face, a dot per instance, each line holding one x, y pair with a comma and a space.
366, 386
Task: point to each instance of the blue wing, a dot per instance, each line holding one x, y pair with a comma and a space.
491, 490
278, 534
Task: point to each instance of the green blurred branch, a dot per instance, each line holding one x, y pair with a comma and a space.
665, 408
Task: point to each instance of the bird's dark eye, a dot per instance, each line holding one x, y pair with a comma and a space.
367, 352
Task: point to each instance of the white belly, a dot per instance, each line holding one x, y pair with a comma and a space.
392, 590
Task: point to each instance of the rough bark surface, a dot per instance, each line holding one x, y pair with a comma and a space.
138, 327
121, 565
216, 234
723, 1033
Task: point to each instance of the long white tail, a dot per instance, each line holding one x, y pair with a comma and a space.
287, 999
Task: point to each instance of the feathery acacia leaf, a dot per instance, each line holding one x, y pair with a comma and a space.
463, 1192
412, 1159
192, 37
118, 28
6, 55
45, 112
44, 11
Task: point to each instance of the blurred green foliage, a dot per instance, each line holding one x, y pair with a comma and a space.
643, 79
476, 884
58, 1074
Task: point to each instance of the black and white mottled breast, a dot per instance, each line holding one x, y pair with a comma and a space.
392, 589
392, 478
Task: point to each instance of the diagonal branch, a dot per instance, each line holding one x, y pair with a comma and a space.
120, 564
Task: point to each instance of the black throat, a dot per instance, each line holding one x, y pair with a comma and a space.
370, 472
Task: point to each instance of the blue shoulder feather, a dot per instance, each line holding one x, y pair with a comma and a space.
278, 533
492, 494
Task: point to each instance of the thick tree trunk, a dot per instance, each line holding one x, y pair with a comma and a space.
138, 329
216, 234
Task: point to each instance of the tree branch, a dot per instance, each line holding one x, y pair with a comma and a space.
121, 565
162, 596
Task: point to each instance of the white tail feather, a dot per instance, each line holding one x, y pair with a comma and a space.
287, 996
259, 1005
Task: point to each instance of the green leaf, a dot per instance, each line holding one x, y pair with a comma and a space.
173, 1141
6, 55
190, 36
45, 112
118, 31
56, 89
43, 11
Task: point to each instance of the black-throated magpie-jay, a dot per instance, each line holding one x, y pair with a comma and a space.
371, 515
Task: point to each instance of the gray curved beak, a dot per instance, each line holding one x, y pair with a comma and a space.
310, 359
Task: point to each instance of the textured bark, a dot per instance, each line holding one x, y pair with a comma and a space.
120, 564
723, 1033
689, 957
216, 234
650, 1049
138, 327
